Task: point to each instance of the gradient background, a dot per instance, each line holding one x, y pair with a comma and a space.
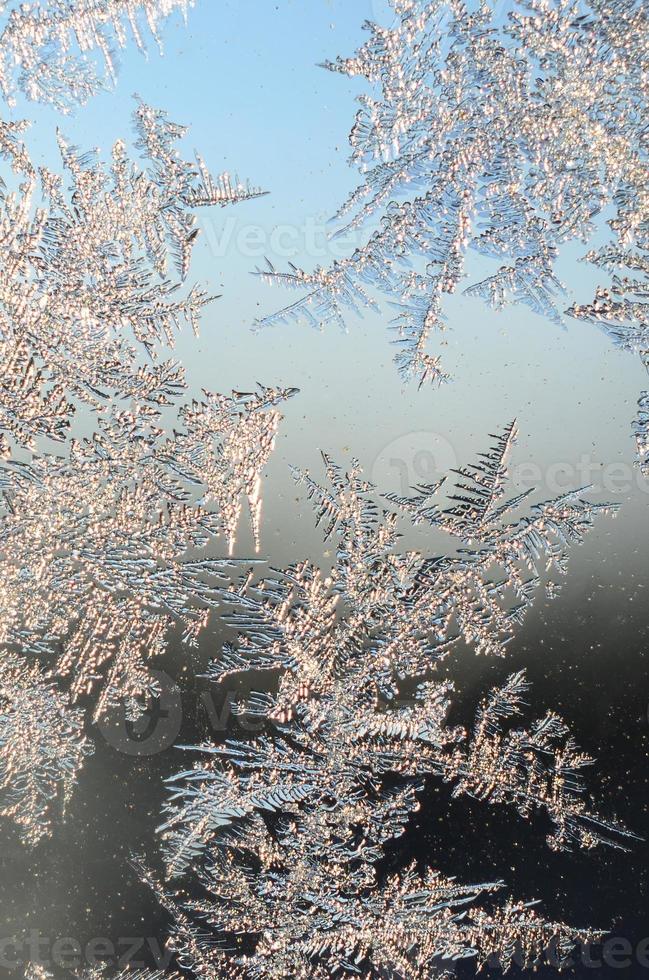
244, 77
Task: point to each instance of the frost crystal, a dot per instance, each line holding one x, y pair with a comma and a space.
57, 51
501, 129
105, 546
35, 971
95, 543
313, 919
91, 283
623, 312
288, 828
42, 746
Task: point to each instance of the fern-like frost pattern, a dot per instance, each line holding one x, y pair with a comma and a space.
288, 829
108, 545
63, 52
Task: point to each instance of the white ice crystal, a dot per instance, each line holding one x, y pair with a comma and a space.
60, 51
502, 129
36, 971
92, 280
42, 746
622, 310
95, 543
287, 828
105, 545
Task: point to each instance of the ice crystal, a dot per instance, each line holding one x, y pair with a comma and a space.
36, 971
105, 546
287, 829
641, 430
91, 285
42, 746
59, 51
86, 292
95, 543
318, 920
501, 130
623, 312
